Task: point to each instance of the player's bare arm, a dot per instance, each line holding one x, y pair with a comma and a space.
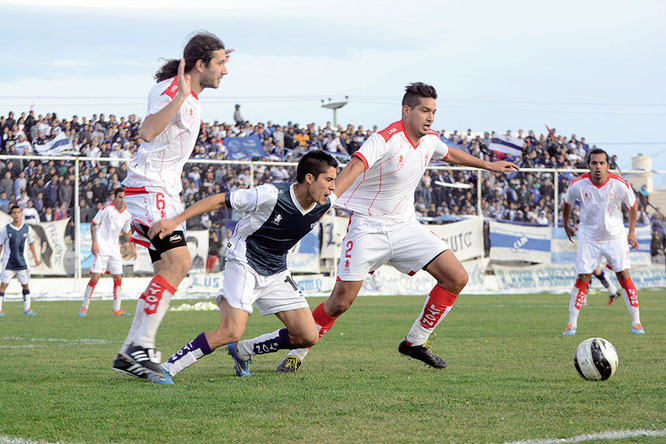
631, 237
165, 227
156, 123
93, 234
566, 214
34, 254
460, 157
348, 175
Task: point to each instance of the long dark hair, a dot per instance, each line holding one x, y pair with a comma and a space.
200, 47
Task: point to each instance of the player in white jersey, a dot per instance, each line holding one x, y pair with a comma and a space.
378, 187
105, 231
279, 215
152, 188
601, 232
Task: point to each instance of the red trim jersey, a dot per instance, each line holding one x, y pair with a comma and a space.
393, 169
158, 165
109, 223
601, 206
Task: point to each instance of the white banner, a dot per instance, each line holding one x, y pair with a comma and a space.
197, 243
310, 284
465, 238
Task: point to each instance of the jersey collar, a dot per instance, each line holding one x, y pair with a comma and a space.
297, 203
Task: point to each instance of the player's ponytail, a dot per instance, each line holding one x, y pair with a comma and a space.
199, 47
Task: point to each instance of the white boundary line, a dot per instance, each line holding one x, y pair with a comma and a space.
611, 434
52, 342
10, 440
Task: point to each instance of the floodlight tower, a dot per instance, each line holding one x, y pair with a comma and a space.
335, 106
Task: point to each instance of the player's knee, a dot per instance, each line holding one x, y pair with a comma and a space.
306, 339
457, 282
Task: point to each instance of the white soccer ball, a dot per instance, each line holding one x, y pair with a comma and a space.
595, 359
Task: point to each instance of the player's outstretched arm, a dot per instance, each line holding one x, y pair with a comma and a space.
166, 226
460, 157
155, 124
348, 175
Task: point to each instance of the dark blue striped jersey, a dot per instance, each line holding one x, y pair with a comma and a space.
13, 242
275, 224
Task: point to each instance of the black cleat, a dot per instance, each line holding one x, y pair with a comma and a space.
614, 297
289, 364
422, 353
121, 365
148, 358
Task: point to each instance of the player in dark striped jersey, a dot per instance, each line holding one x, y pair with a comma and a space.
256, 271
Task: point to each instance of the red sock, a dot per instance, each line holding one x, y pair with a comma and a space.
630, 288
582, 292
323, 321
153, 294
438, 300
116, 284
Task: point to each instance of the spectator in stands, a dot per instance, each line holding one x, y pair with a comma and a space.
4, 202
30, 214
238, 118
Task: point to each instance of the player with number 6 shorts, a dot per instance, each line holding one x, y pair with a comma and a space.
152, 188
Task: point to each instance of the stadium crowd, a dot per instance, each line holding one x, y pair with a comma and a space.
45, 190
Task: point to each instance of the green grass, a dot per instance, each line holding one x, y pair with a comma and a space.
510, 377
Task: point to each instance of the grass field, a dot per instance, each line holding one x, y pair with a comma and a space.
510, 377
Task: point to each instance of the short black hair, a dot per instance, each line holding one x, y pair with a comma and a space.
597, 151
315, 163
118, 190
13, 208
414, 91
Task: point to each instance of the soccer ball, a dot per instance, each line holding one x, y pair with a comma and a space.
595, 359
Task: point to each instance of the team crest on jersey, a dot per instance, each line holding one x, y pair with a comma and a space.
586, 195
426, 160
277, 219
401, 160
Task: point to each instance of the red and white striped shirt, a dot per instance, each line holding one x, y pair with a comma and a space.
393, 168
158, 165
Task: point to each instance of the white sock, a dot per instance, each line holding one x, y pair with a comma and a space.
419, 334
634, 312
2, 298
300, 353
139, 314
88, 295
157, 297
117, 296
578, 296
26, 300
612, 289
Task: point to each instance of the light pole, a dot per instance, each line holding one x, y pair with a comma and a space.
335, 106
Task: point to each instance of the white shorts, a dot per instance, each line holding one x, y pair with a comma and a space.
146, 208
370, 243
23, 276
589, 253
102, 264
242, 286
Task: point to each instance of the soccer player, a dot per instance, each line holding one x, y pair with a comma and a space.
153, 185
256, 271
105, 230
378, 187
14, 236
600, 233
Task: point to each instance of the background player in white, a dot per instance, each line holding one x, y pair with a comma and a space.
256, 271
601, 232
153, 185
378, 187
105, 231
12, 239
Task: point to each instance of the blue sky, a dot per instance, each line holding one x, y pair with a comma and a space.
592, 68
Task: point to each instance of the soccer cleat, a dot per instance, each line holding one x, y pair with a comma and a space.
570, 331
120, 312
83, 312
613, 298
167, 379
241, 366
121, 365
289, 364
422, 353
637, 329
29, 312
148, 358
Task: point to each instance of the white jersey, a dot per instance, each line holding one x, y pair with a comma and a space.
109, 223
601, 206
158, 165
393, 169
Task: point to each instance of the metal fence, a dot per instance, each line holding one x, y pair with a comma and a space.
74, 188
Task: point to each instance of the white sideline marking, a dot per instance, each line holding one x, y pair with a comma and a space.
617, 434
9, 440
53, 342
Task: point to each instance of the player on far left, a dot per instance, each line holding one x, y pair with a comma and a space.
14, 236
105, 230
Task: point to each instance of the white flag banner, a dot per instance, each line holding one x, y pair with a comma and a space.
507, 145
55, 146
